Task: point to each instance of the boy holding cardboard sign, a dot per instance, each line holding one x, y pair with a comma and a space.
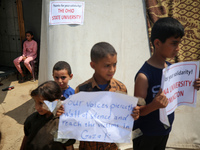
166, 35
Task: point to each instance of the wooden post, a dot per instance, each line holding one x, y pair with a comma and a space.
20, 21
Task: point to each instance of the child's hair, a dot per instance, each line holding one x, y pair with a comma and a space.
48, 90
30, 32
60, 65
165, 28
101, 50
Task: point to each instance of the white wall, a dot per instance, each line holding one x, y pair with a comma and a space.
121, 23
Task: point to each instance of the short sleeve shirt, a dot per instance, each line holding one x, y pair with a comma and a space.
69, 91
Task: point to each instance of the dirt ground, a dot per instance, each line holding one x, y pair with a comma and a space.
15, 106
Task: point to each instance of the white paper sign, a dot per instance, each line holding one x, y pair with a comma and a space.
177, 85
98, 116
66, 12
51, 105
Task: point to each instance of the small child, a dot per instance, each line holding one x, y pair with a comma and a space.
166, 35
62, 74
29, 54
41, 126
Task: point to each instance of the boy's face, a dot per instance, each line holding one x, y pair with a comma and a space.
170, 47
40, 106
29, 36
104, 69
61, 77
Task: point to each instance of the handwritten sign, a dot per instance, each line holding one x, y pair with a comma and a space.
66, 12
177, 84
98, 116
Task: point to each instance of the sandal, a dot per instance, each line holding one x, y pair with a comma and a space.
32, 80
22, 80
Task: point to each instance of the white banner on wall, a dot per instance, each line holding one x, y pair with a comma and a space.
97, 116
177, 85
66, 12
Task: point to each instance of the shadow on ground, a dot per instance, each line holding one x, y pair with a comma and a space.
22, 112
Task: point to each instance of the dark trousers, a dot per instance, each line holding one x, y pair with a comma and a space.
150, 142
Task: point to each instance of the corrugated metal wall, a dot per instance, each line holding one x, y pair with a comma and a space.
10, 46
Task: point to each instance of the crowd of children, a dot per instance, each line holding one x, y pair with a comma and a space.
41, 126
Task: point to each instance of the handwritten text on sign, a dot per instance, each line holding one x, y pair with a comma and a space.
98, 116
177, 85
66, 12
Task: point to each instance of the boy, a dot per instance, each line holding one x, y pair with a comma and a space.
103, 61
62, 74
166, 35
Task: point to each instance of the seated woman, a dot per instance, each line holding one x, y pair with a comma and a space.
29, 54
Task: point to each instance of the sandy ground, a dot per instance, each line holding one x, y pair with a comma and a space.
15, 106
